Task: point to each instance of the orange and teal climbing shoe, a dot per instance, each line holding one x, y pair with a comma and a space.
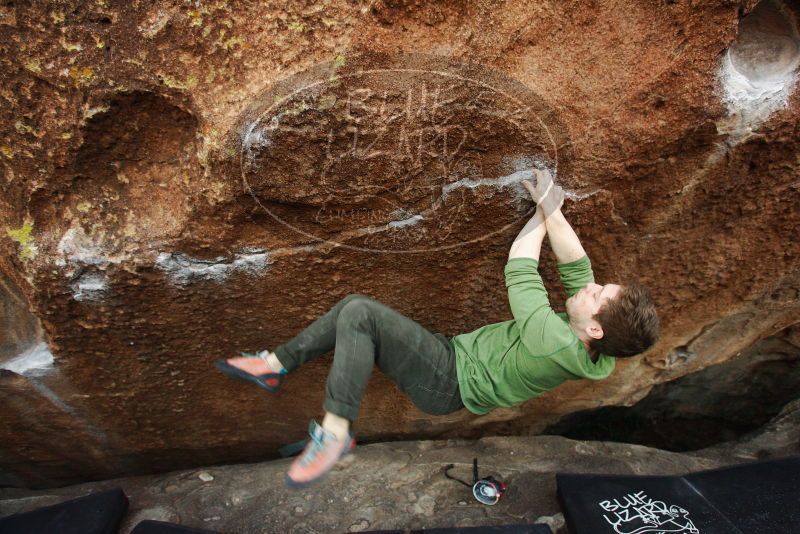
319, 456
269, 381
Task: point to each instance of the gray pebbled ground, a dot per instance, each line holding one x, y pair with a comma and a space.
401, 486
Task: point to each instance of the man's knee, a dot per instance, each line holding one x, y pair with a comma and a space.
355, 300
353, 296
356, 310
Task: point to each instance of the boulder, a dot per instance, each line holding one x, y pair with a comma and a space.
184, 181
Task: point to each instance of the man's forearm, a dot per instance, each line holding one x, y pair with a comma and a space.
563, 239
528, 243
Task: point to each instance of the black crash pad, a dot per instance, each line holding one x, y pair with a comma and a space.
98, 513
502, 529
757, 498
149, 526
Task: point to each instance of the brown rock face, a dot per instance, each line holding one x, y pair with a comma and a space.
181, 182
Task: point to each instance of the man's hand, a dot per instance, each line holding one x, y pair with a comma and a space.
548, 196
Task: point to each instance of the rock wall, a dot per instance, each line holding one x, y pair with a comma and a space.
715, 405
185, 180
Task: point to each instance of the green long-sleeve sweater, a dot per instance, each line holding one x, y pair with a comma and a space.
506, 363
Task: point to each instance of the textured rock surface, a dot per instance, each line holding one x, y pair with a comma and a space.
401, 485
704, 408
185, 180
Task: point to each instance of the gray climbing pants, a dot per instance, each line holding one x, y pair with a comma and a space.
362, 331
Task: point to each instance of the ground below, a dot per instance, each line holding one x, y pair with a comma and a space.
400, 485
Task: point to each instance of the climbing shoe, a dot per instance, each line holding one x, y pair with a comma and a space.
269, 381
318, 457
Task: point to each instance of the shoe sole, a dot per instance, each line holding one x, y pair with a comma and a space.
235, 372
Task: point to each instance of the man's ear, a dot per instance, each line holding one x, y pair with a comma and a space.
594, 330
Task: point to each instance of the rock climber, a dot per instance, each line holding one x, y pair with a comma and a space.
500, 364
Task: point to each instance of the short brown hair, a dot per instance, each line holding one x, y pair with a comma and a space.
630, 323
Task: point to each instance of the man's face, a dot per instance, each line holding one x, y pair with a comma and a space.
584, 304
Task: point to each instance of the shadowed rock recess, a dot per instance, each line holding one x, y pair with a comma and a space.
705, 408
184, 181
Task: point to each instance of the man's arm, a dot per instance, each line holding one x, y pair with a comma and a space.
574, 267
528, 243
542, 332
563, 240
549, 198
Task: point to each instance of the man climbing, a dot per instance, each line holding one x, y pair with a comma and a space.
500, 364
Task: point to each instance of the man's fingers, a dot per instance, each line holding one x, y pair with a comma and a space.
553, 201
545, 189
544, 173
543, 194
543, 182
528, 186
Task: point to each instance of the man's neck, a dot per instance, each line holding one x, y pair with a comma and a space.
585, 339
593, 355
